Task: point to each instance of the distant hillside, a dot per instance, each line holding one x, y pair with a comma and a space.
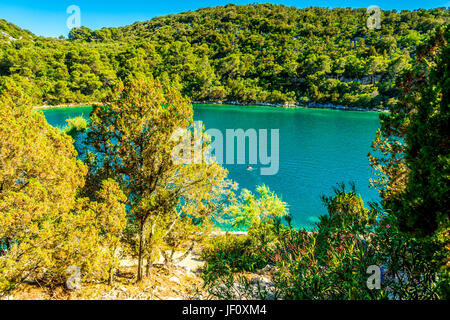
266, 20
252, 53
12, 32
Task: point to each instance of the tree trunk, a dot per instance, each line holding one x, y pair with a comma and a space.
112, 269
148, 266
141, 254
111, 276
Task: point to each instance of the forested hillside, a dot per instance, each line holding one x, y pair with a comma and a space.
12, 32
254, 53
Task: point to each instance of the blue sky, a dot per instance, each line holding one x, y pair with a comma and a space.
48, 18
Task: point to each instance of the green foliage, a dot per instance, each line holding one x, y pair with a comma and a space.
413, 140
425, 204
261, 215
414, 170
10, 31
251, 210
328, 263
45, 228
408, 238
229, 253
412, 271
75, 125
254, 53
170, 202
332, 262
347, 212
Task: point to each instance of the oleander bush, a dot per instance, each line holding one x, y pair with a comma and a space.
330, 262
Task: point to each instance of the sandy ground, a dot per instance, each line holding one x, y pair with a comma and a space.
182, 281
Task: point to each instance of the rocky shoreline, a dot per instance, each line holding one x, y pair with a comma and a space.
293, 106
237, 103
69, 105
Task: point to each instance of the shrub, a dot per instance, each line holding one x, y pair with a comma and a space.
75, 125
230, 253
331, 262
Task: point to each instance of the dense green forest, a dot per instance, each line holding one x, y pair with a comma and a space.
254, 53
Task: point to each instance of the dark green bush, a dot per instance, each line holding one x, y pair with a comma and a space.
230, 253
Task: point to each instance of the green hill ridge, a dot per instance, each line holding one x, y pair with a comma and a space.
260, 53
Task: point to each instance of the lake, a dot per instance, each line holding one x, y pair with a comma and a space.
317, 149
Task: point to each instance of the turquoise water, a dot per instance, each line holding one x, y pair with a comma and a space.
318, 148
